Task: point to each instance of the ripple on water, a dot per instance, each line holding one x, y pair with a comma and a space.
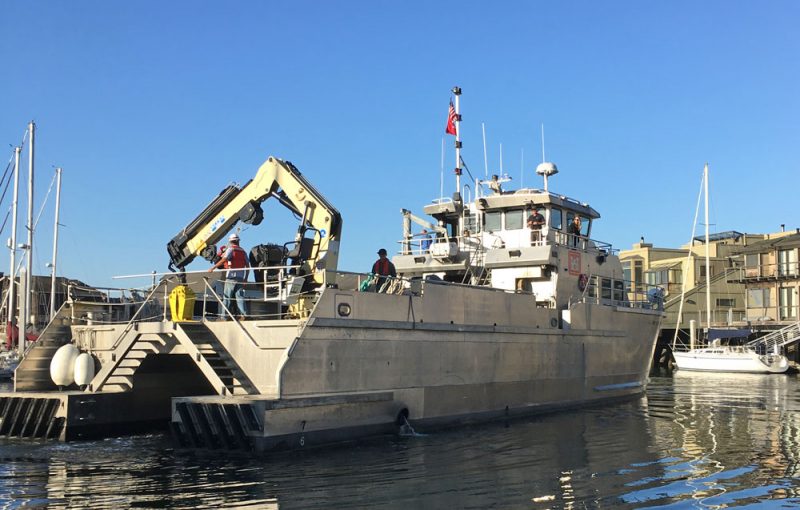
716, 441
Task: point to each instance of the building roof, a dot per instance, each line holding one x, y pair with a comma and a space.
719, 236
787, 241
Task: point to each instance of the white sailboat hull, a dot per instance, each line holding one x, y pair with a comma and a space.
726, 359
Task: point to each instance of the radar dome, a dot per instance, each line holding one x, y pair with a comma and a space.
547, 168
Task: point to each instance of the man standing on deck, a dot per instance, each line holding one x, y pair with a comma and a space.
383, 267
535, 223
425, 242
235, 260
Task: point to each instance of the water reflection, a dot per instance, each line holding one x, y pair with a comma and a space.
696, 440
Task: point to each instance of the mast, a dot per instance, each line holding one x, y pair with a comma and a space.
12, 291
29, 245
485, 160
708, 265
457, 93
55, 246
689, 263
545, 168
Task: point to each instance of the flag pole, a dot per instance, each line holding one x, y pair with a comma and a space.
457, 93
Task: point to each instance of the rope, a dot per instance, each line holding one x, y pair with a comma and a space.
41, 209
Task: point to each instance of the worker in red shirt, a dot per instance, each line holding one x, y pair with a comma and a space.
235, 260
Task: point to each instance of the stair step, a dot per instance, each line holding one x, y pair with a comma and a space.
124, 371
137, 354
119, 379
116, 388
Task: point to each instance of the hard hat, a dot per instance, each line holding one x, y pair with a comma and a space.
233, 237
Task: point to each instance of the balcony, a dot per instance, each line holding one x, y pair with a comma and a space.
768, 272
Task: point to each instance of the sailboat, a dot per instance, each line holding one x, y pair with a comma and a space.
719, 357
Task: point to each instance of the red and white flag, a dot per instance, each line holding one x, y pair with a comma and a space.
451, 120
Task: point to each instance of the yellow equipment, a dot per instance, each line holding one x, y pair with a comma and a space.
181, 303
316, 254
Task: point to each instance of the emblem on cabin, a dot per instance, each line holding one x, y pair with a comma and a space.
574, 263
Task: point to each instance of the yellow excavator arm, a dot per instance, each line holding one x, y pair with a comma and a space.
317, 254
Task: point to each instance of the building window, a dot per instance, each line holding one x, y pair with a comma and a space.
657, 277
726, 302
751, 260
638, 275
676, 276
514, 220
627, 274
787, 262
751, 265
787, 303
758, 298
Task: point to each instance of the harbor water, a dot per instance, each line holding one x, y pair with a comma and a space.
693, 441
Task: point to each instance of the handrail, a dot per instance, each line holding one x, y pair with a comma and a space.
772, 270
222, 304
702, 285
31, 345
129, 326
777, 338
642, 300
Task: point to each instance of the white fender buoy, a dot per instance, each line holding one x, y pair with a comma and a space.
84, 369
62, 370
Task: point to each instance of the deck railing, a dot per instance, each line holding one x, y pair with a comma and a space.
616, 292
418, 246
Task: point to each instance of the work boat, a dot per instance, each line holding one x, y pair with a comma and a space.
491, 320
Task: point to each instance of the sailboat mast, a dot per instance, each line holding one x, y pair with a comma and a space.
55, 246
24, 318
708, 265
12, 290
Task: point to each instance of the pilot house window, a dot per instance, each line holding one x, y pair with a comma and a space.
555, 218
514, 219
493, 221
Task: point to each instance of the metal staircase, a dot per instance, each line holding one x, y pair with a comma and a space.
213, 359
33, 372
128, 356
216, 364
777, 340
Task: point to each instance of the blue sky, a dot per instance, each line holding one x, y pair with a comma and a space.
152, 108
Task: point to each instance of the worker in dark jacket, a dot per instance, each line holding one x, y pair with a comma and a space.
382, 268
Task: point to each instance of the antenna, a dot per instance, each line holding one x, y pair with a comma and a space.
501, 158
521, 168
543, 158
485, 160
441, 178
544, 168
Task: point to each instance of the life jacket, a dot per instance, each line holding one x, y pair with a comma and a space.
239, 258
381, 267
